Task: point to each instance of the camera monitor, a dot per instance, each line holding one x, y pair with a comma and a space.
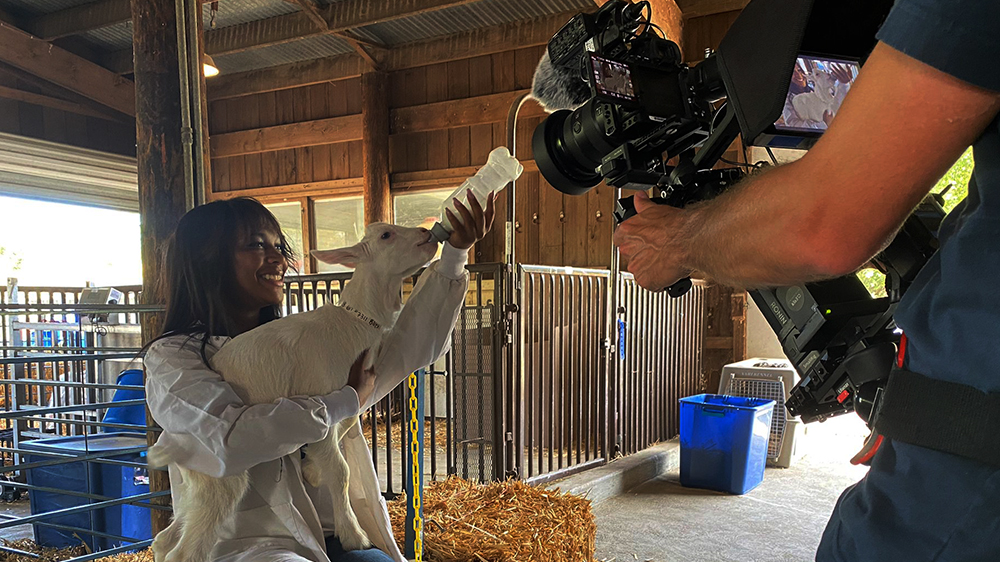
816, 91
612, 80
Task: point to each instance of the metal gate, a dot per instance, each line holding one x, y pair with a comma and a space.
560, 391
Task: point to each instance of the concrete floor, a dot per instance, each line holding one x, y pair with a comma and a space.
780, 520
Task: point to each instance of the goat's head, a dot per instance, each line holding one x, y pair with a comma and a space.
386, 250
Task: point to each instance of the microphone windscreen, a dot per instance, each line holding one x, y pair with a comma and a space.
558, 88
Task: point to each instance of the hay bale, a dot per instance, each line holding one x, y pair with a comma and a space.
47, 554
500, 522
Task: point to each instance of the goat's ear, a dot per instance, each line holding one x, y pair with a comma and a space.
344, 256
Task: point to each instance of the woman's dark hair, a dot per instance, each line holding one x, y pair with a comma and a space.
198, 274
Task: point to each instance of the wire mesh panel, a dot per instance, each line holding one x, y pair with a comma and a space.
70, 439
658, 361
561, 418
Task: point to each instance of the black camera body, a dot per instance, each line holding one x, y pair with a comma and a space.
644, 107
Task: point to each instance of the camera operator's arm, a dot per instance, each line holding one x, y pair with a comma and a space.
900, 128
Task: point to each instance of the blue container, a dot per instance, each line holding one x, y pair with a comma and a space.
107, 480
724, 441
132, 415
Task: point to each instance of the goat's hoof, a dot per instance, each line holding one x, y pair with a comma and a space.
354, 540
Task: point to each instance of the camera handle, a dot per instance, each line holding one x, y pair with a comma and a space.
625, 208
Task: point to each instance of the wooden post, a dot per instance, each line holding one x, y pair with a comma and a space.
375, 146
159, 156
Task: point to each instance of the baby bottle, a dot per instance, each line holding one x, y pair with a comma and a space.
500, 169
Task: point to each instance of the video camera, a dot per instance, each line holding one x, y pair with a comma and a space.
632, 114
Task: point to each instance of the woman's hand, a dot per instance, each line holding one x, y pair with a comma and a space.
475, 223
362, 380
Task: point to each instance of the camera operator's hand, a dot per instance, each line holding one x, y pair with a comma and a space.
652, 242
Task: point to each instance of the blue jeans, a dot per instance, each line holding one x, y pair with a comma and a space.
337, 553
917, 505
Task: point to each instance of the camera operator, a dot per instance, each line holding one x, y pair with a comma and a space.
930, 89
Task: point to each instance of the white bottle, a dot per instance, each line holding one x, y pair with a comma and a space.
500, 169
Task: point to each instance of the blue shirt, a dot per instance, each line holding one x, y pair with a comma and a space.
951, 313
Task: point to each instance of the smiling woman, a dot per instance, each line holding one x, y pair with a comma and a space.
230, 253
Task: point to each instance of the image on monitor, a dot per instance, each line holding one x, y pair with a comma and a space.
817, 89
612, 79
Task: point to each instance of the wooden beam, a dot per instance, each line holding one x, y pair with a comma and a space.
492, 108
305, 73
281, 137
339, 16
467, 44
53, 91
311, 10
73, 21
375, 146
65, 69
56, 103
698, 8
347, 186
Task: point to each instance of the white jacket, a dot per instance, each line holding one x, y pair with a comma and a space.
220, 436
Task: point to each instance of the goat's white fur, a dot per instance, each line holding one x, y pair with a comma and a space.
307, 354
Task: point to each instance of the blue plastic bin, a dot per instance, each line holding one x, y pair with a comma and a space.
132, 415
107, 480
724, 441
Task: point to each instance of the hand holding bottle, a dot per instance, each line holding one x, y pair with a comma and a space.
474, 222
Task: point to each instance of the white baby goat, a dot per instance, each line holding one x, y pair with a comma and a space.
305, 354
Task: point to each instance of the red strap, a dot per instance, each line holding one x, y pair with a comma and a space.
902, 351
868, 451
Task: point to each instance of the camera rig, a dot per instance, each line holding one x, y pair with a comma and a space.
652, 122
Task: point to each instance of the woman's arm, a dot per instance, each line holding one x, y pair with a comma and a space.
423, 330
209, 427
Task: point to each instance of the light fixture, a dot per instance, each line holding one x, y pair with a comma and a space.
208, 66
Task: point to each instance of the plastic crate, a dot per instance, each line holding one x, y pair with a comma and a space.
772, 379
724, 441
131, 415
107, 480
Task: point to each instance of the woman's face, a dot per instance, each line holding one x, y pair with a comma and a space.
259, 271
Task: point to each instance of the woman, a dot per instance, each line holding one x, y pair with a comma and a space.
224, 277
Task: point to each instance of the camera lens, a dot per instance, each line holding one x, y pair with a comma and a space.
569, 146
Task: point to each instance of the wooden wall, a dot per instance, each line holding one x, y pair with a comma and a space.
82, 127
424, 152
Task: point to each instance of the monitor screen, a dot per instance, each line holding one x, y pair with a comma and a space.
818, 87
612, 79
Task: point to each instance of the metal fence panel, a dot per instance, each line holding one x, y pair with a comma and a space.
658, 362
561, 409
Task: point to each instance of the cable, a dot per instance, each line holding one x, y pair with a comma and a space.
771, 154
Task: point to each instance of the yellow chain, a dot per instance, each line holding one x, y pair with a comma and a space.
418, 524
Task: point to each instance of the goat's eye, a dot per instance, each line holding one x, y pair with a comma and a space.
386, 235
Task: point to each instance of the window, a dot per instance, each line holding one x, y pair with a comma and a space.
419, 209
289, 216
339, 223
